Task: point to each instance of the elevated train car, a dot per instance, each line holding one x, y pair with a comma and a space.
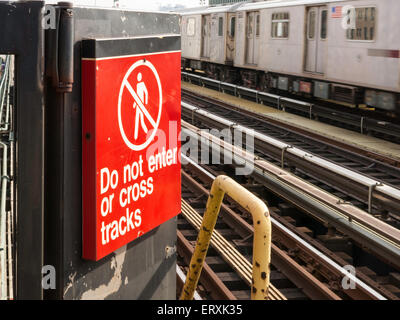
340, 50
206, 37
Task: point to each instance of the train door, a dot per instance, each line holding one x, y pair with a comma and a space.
230, 39
317, 19
206, 36
252, 37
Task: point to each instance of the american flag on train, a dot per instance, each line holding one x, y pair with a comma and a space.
336, 12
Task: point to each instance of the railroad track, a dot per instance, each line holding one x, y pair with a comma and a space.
353, 177
229, 259
292, 128
369, 232
233, 268
364, 121
7, 218
346, 250
294, 260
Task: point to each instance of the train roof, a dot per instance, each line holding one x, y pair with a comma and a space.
246, 6
208, 10
283, 3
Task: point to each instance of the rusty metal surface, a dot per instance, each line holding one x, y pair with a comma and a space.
208, 279
314, 288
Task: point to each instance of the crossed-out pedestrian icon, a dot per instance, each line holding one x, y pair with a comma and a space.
141, 98
141, 91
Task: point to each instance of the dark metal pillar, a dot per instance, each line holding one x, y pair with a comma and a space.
141, 269
23, 36
48, 158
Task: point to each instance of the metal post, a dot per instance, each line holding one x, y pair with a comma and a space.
261, 243
284, 149
362, 125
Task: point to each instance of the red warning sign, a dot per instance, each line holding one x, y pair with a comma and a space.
131, 162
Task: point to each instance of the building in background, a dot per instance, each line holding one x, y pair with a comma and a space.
219, 2
222, 2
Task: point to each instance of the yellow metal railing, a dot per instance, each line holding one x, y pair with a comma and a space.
261, 243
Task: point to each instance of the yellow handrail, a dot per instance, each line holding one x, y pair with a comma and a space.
261, 243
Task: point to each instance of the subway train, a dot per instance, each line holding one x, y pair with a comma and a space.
346, 51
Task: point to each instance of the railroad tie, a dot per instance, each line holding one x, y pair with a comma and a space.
231, 255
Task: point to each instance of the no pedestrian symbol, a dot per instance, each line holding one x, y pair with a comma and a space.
141, 94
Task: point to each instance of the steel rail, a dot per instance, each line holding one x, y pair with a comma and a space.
373, 234
4, 91
383, 162
182, 278
4, 74
352, 213
9, 257
5, 125
208, 278
372, 185
367, 291
3, 219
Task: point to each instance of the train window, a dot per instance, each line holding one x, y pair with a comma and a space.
205, 26
233, 25
191, 27
311, 25
280, 25
363, 19
257, 25
220, 26
249, 25
324, 21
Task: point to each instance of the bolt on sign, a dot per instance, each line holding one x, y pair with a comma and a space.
130, 148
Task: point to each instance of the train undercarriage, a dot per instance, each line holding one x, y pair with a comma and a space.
301, 86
